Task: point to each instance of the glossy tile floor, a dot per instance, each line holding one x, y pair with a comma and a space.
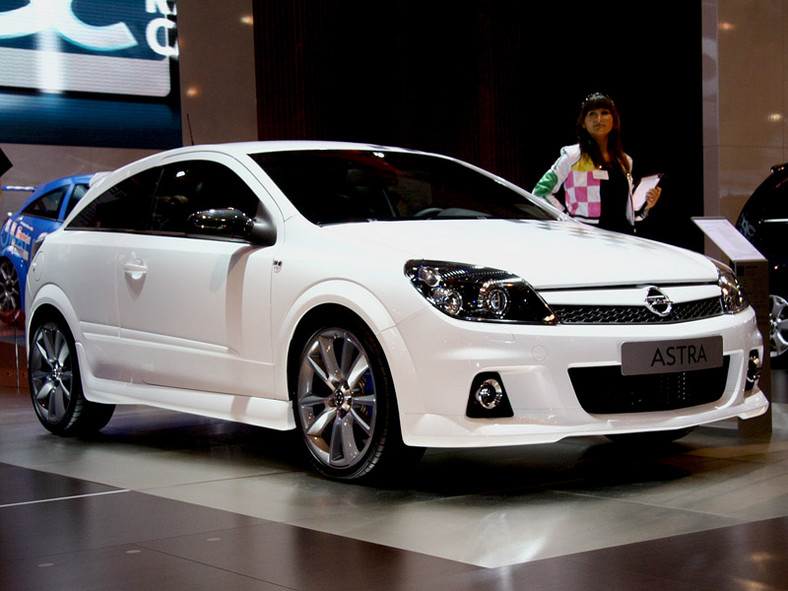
171, 501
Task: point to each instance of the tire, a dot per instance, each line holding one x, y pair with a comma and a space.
778, 327
10, 296
56, 383
345, 404
650, 439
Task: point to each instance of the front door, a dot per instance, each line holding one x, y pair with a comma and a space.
195, 312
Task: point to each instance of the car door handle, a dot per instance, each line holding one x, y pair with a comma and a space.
135, 269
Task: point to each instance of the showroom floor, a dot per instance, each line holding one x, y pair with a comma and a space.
172, 501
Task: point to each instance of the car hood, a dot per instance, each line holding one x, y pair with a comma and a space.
546, 254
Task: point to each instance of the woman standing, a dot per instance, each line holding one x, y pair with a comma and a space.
596, 173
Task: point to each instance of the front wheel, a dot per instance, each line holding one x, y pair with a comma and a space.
345, 404
56, 384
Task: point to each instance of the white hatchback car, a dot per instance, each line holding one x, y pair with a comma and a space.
380, 301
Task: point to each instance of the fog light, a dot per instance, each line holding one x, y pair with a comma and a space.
754, 367
489, 394
488, 398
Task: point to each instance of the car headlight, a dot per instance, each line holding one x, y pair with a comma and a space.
478, 293
733, 298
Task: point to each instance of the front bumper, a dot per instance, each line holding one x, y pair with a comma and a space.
433, 378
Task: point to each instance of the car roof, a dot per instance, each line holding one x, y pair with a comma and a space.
289, 145
256, 147
241, 151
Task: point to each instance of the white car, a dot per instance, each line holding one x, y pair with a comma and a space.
380, 301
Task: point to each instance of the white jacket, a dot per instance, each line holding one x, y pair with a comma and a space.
581, 180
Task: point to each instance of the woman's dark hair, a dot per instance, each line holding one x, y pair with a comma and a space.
588, 146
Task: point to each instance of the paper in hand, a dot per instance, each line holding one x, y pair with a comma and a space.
644, 186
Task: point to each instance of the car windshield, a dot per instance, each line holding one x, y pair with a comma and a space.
340, 186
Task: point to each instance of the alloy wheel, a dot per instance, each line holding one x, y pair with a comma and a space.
337, 399
10, 298
51, 374
778, 325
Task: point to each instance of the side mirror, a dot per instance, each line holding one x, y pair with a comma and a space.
232, 224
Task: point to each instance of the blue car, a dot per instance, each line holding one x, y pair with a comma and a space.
42, 213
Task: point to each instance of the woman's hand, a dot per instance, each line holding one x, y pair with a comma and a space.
652, 196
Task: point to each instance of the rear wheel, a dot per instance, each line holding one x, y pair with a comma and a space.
56, 384
345, 404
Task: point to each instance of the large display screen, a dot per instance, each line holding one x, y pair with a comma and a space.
89, 72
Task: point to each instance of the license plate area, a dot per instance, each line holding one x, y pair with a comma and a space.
656, 357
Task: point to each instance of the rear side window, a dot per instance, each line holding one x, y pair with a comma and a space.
48, 205
124, 207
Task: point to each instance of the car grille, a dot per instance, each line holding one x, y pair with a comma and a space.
604, 390
683, 312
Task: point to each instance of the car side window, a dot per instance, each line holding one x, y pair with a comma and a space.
48, 205
124, 207
197, 185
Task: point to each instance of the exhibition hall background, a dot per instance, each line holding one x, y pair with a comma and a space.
700, 86
495, 83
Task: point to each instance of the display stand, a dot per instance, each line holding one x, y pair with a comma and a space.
752, 270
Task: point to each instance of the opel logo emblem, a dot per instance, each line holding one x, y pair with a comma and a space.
657, 302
